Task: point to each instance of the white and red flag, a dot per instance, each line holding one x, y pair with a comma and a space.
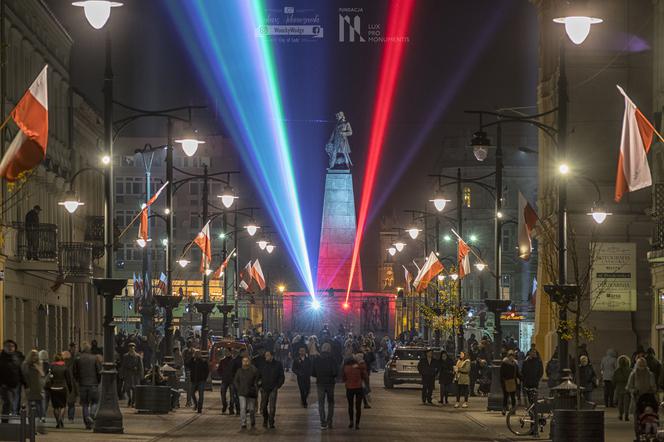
143, 230
245, 276
28, 148
637, 134
257, 274
220, 271
203, 241
409, 279
161, 284
432, 266
464, 258
526, 224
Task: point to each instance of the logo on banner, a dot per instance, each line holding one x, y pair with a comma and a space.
350, 26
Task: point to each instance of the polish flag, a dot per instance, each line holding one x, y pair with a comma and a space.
257, 274
637, 133
409, 279
143, 230
203, 241
220, 271
464, 259
527, 220
28, 148
429, 270
161, 285
245, 276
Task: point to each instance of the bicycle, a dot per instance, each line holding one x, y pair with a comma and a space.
532, 420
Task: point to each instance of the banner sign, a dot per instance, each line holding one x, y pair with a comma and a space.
613, 277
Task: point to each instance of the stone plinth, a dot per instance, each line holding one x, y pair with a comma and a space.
338, 234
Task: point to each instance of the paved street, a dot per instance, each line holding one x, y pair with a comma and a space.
397, 415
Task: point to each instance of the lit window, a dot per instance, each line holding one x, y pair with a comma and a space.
466, 196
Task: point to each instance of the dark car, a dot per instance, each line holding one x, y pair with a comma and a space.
401, 368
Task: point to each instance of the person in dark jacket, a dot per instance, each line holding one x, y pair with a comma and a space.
553, 370
10, 376
131, 370
302, 369
509, 378
245, 382
199, 373
225, 370
532, 371
325, 370
272, 378
587, 377
32, 232
445, 376
87, 373
428, 368
59, 383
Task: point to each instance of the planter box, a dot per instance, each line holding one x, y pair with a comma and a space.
155, 399
578, 426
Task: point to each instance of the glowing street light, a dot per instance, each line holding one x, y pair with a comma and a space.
413, 232
399, 245
71, 203
270, 248
228, 196
578, 27
189, 143
142, 242
97, 11
454, 276
105, 160
262, 244
599, 213
439, 201
447, 238
472, 238
563, 169
392, 251
281, 288
441, 277
480, 266
183, 262
252, 228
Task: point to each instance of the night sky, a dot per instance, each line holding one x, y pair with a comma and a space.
461, 55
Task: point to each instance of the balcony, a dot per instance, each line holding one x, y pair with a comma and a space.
75, 261
94, 235
34, 248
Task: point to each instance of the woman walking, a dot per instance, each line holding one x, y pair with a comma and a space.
587, 377
33, 373
622, 395
641, 382
462, 379
445, 376
59, 383
354, 374
509, 377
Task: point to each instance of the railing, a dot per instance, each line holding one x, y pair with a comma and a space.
75, 259
39, 242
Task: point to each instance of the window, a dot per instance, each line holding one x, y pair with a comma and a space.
466, 196
193, 188
194, 221
508, 239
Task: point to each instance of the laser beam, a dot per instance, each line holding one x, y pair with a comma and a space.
237, 65
399, 16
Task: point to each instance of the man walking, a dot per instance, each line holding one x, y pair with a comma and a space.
10, 376
302, 369
199, 373
324, 369
131, 368
246, 386
87, 372
272, 378
427, 367
225, 370
187, 356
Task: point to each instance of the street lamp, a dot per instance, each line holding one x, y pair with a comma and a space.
270, 248
413, 232
439, 201
577, 27
97, 11
189, 143
480, 266
563, 168
441, 277
392, 251
599, 213
252, 228
262, 244
71, 202
142, 242
105, 160
454, 276
183, 262
399, 245
480, 144
228, 196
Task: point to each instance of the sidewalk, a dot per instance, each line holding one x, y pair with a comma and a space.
614, 429
137, 427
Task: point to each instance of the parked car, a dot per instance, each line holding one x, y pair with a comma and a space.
216, 354
401, 368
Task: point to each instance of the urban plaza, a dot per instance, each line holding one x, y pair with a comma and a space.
332, 220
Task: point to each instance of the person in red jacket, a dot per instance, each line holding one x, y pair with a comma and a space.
354, 374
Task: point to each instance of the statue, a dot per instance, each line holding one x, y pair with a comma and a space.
338, 143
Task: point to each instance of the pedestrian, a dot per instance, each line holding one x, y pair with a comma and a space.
302, 369
324, 369
445, 376
33, 373
59, 382
199, 373
271, 374
587, 377
462, 379
312, 346
620, 391
11, 376
225, 370
246, 385
484, 377
72, 394
354, 375
641, 381
553, 370
131, 369
32, 233
509, 379
44, 361
187, 356
532, 371
283, 351
607, 369
428, 368
87, 373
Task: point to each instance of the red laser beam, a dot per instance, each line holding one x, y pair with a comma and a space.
398, 22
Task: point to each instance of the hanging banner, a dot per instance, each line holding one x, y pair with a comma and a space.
613, 277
